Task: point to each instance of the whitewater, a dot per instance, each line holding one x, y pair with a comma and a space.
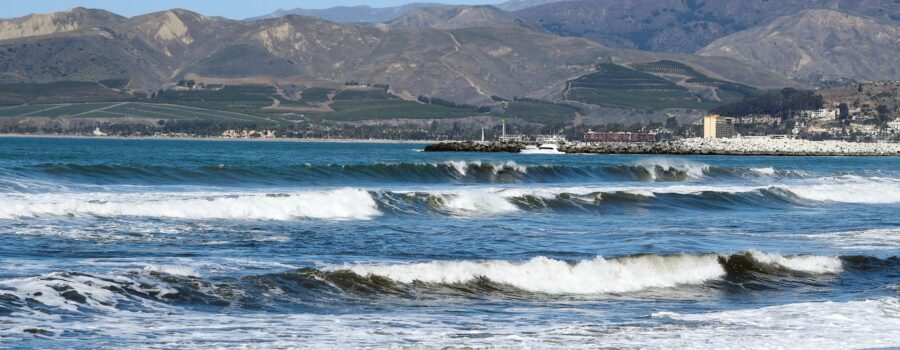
184, 244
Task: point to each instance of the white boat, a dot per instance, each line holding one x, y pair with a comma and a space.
544, 148
542, 139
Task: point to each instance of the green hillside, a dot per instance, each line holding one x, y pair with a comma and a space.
541, 112
127, 110
726, 91
618, 86
58, 92
393, 108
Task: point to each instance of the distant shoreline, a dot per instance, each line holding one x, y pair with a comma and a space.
693, 146
217, 139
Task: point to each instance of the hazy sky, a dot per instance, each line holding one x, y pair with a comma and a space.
225, 8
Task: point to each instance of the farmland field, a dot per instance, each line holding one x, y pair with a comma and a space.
58, 92
725, 90
618, 86
362, 110
126, 110
363, 95
536, 112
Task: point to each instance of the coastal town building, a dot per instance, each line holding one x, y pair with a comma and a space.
604, 136
894, 125
820, 114
758, 119
249, 134
867, 129
716, 127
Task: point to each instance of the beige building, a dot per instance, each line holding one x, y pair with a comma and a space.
716, 126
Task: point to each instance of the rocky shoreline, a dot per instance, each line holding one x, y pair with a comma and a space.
693, 146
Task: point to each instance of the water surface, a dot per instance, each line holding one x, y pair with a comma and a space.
166, 244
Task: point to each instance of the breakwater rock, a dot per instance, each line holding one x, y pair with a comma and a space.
474, 146
693, 146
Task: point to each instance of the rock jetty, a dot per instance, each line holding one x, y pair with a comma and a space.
694, 146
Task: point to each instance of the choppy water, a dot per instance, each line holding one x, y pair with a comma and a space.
166, 244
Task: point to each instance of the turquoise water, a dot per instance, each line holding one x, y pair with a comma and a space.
162, 244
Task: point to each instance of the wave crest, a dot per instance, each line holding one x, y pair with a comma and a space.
598, 275
340, 204
649, 170
672, 169
361, 204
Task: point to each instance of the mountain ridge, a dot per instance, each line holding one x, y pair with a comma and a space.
816, 44
457, 62
352, 14
680, 25
453, 17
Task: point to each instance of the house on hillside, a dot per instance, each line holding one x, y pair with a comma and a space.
820, 114
758, 119
894, 125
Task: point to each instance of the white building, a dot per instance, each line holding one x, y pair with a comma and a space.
247, 134
867, 129
824, 114
894, 125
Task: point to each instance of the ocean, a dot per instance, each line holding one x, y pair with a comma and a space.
200, 244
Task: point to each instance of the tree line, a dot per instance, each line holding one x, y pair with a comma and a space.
782, 104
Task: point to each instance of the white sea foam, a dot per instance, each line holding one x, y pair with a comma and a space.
462, 167
335, 204
101, 293
598, 275
853, 190
350, 203
542, 274
175, 270
874, 239
769, 171
492, 201
816, 325
849, 189
802, 263
512, 165
693, 170
476, 203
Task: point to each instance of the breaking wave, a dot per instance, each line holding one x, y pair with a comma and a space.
599, 275
361, 204
70, 290
472, 202
157, 287
650, 170
75, 292
552, 276
337, 204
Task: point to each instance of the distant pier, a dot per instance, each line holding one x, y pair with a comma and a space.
694, 146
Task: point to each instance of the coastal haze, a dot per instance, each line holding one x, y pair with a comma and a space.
522, 174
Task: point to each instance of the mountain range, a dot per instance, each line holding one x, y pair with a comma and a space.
817, 44
529, 48
353, 14
682, 25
